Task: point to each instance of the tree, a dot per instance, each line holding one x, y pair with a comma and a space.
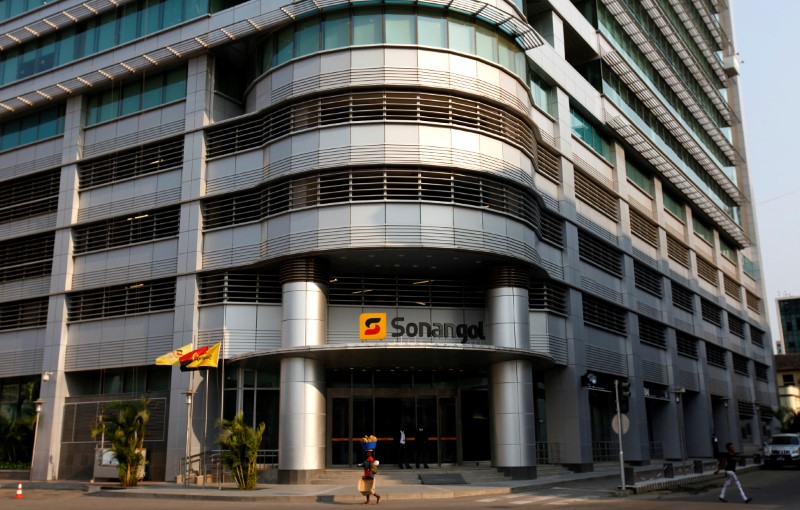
790, 420
124, 424
240, 443
17, 428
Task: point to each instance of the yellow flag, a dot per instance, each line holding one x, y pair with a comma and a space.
204, 359
171, 358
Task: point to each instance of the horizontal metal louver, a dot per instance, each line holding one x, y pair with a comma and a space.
732, 288
128, 163
653, 333
682, 298
125, 230
647, 279
31, 195
598, 254
548, 296
31, 313
26, 257
711, 313
644, 229
716, 356
121, 300
547, 163
707, 271
596, 196
370, 106
348, 290
260, 285
677, 251
736, 325
687, 344
604, 315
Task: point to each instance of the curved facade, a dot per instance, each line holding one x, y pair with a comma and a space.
403, 213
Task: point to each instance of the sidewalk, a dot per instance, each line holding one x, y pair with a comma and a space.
646, 479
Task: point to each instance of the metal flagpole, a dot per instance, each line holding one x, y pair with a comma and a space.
205, 433
221, 397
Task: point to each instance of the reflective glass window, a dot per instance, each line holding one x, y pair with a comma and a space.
367, 27
486, 43
461, 35
306, 37
336, 30
284, 46
400, 26
432, 29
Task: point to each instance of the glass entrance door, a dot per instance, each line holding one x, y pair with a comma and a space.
354, 417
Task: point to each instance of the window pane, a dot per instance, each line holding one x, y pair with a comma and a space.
172, 13
486, 43
28, 132
284, 46
461, 35
151, 20
108, 106
10, 135
306, 38
432, 29
152, 92
400, 26
128, 23
48, 123
66, 47
337, 30
175, 85
131, 97
507, 51
367, 27
106, 32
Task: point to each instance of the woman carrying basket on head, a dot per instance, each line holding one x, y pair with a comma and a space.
366, 484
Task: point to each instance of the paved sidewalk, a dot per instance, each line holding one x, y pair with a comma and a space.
646, 479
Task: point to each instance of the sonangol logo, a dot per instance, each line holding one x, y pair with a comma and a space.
372, 326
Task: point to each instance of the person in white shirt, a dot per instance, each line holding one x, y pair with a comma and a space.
401, 441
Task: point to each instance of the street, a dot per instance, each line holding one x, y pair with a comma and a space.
769, 489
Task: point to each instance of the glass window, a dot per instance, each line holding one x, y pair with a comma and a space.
306, 37
27, 133
461, 35
129, 23
48, 123
727, 250
131, 97
10, 135
486, 43
540, 92
151, 17
171, 15
337, 30
152, 91
367, 27
284, 46
66, 47
175, 86
432, 29
106, 31
108, 105
639, 178
400, 26
507, 50
674, 206
703, 231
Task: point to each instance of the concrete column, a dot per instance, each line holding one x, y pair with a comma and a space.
301, 438
513, 436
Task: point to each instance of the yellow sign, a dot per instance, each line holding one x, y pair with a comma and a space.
372, 326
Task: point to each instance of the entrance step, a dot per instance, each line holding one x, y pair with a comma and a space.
474, 475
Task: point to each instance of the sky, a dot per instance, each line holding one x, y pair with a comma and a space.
766, 34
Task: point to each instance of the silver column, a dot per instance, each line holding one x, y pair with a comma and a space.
301, 439
513, 438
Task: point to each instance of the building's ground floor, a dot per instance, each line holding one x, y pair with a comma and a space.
473, 414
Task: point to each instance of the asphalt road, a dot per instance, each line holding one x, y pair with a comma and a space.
779, 489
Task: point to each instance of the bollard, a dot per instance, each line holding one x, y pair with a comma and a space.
668, 471
698, 467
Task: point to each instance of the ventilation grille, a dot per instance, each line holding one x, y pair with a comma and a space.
142, 160
505, 276
605, 361
654, 372
604, 315
757, 337
707, 271
753, 302
687, 345
647, 279
260, 286
741, 365
732, 288
547, 164
716, 356
304, 270
366, 184
677, 251
598, 254
552, 229
372, 106
21, 363
121, 300
27, 257
412, 292
123, 231
762, 372
644, 229
30, 196
596, 196
652, 333
682, 298
736, 325
548, 296
711, 312
689, 380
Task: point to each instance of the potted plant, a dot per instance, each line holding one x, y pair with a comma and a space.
124, 424
240, 443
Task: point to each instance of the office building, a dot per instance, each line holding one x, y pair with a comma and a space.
479, 219
789, 317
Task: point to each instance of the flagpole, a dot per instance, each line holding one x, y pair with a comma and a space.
205, 432
221, 389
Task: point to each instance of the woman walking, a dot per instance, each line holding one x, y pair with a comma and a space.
728, 463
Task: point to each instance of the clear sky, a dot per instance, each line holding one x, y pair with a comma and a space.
766, 34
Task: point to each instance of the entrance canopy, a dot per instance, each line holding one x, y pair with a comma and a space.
422, 355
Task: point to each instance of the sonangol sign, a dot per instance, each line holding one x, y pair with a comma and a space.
373, 326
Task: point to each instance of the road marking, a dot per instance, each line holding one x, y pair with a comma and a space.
535, 499
492, 500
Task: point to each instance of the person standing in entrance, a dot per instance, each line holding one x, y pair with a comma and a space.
401, 441
728, 463
421, 447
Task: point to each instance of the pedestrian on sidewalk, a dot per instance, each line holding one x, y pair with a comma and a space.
366, 485
421, 447
401, 441
728, 463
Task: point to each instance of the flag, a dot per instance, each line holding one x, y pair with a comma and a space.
171, 358
204, 357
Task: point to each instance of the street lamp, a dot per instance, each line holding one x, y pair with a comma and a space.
38, 403
678, 392
189, 394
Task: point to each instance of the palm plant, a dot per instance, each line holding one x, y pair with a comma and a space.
124, 423
240, 443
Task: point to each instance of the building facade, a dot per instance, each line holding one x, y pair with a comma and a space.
789, 319
447, 215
